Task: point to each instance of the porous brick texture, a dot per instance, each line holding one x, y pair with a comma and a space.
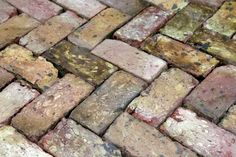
117, 78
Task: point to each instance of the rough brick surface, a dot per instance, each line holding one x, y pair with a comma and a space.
155, 104
100, 109
14, 144
38, 9
38, 116
130, 59
16, 27
212, 3
5, 77
202, 136
69, 139
142, 26
35, 70
80, 61
6, 11
99, 27
181, 55
229, 121
50, 33
139, 139
213, 97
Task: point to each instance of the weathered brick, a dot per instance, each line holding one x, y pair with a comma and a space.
84, 8
215, 44
69, 139
38, 116
213, 97
98, 28
224, 21
13, 98
142, 26
172, 6
14, 144
22, 62
80, 61
38, 9
6, 11
51, 32
130, 7
139, 139
200, 135
212, 3
155, 104
16, 27
130, 59
100, 109
229, 121
181, 55
5, 77
184, 23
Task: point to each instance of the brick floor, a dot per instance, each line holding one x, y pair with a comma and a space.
117, 78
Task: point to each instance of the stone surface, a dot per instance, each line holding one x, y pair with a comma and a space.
22, 62
69, 139
185, 22
155, 104
200, 135
38, 116
84, 8
212, 3
16, 27
13, 98
224, 21
98, 28
142, 26
13, 144
213, 97
51, 32
229, 121
181, 55
38, 9
5, 77
130, 7
215, 44
130, 59
81, 62
6, 11
101, 108
138, 139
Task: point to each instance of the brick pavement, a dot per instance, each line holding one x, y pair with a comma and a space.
118, 78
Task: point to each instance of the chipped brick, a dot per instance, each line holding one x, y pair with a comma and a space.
100, 109
6, 11
212, 3
229, 121
5, 77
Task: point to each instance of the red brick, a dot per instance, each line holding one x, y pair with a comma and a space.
5, 77
6, 11
200, 135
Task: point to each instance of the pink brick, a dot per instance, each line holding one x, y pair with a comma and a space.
5, 77
130, 59
38, 9
6, 11
200, 135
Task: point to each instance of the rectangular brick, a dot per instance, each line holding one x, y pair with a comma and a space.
16, 27
213, 97
84, 8
98, 28
181, 55
229, 121
51, 32
212, 3
13, 98
200, 135
80, 62
42, 113
101, 108
13, 144
185, 22
5, 77
38, 9
69, 139
143, 25
154, 104
6, 11
139, 139
215, 44
130, 59
21, 61
223, 21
